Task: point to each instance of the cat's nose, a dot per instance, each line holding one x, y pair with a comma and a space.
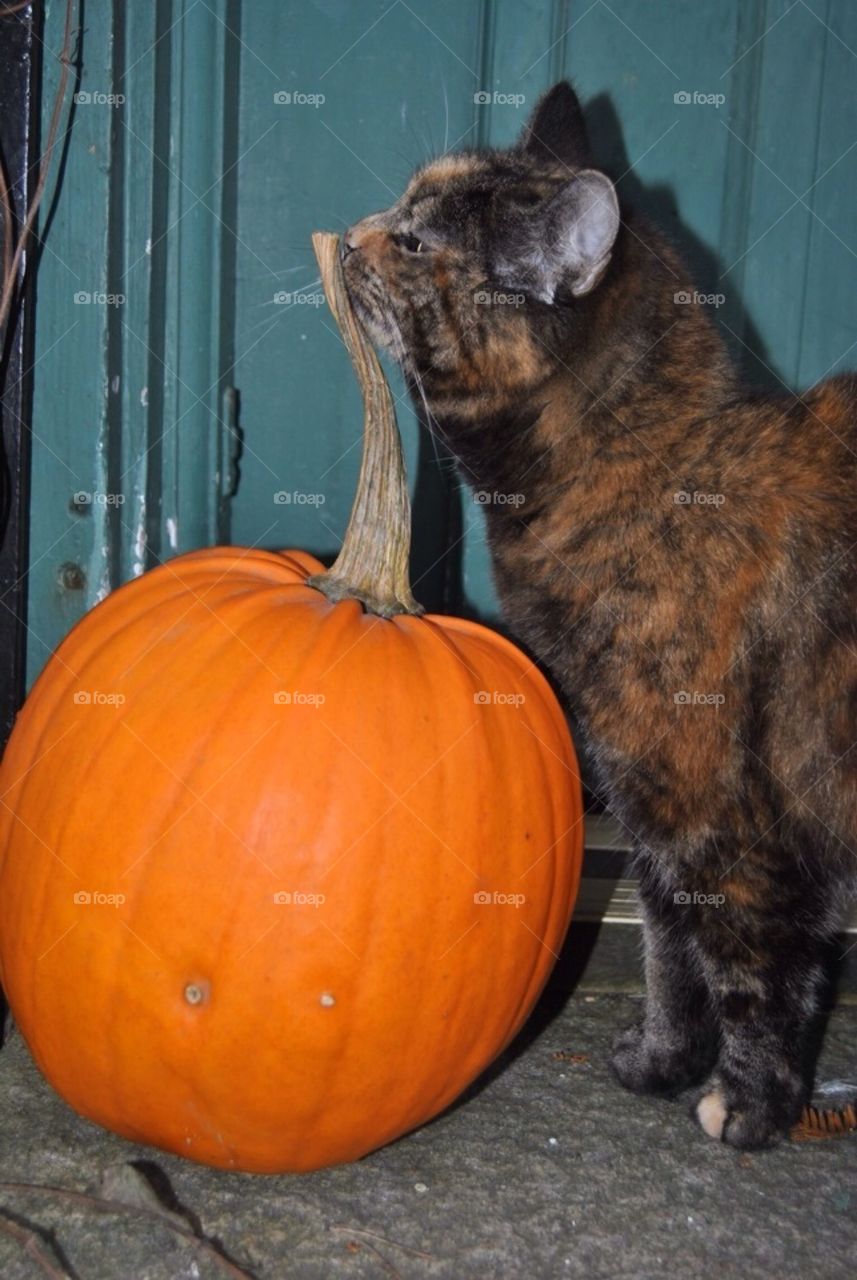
361, 235
350, 241
369, 236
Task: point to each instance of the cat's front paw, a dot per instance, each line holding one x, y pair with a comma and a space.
747, 1119
645, 1065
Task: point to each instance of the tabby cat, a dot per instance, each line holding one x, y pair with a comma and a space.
680, 553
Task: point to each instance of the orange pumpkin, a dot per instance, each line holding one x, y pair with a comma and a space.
279, 876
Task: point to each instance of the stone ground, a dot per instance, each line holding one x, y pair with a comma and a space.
546, 1169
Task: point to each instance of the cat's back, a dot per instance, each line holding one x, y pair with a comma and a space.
792, 457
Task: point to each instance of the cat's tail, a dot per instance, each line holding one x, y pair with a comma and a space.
823, 1122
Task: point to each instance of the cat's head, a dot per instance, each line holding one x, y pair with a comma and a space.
462, 278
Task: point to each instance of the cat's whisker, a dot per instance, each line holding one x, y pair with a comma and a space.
431, 424
446, 115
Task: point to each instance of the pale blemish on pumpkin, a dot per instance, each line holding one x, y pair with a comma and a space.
196, 992
327, 1000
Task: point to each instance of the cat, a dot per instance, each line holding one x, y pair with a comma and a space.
680, 553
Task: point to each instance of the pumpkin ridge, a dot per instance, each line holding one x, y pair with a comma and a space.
24, 781
108, 741
182, 1067
518, 666
457, 654
565, 878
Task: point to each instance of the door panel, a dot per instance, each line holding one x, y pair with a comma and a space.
372, 94
245, 126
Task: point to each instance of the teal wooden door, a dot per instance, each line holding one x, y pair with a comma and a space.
218, 134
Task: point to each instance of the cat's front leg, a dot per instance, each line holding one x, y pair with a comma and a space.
764, 973
674, 1044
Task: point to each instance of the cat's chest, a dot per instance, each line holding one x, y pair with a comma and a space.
648, 702
565, 564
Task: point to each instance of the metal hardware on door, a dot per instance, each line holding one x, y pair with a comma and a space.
72, 577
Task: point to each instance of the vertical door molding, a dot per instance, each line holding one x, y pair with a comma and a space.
20, 68
131, 453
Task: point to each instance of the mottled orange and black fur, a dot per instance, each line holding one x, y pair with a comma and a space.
681, 555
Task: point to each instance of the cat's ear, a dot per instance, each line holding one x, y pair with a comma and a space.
580, 226
556, 132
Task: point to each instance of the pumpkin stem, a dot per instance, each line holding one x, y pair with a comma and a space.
372, 565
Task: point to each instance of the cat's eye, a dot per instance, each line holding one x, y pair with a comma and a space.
410, 243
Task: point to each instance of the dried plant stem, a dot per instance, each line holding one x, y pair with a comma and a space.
7, 229
372, 566
99, 1205
29, 1242
10, 274
396, 1244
